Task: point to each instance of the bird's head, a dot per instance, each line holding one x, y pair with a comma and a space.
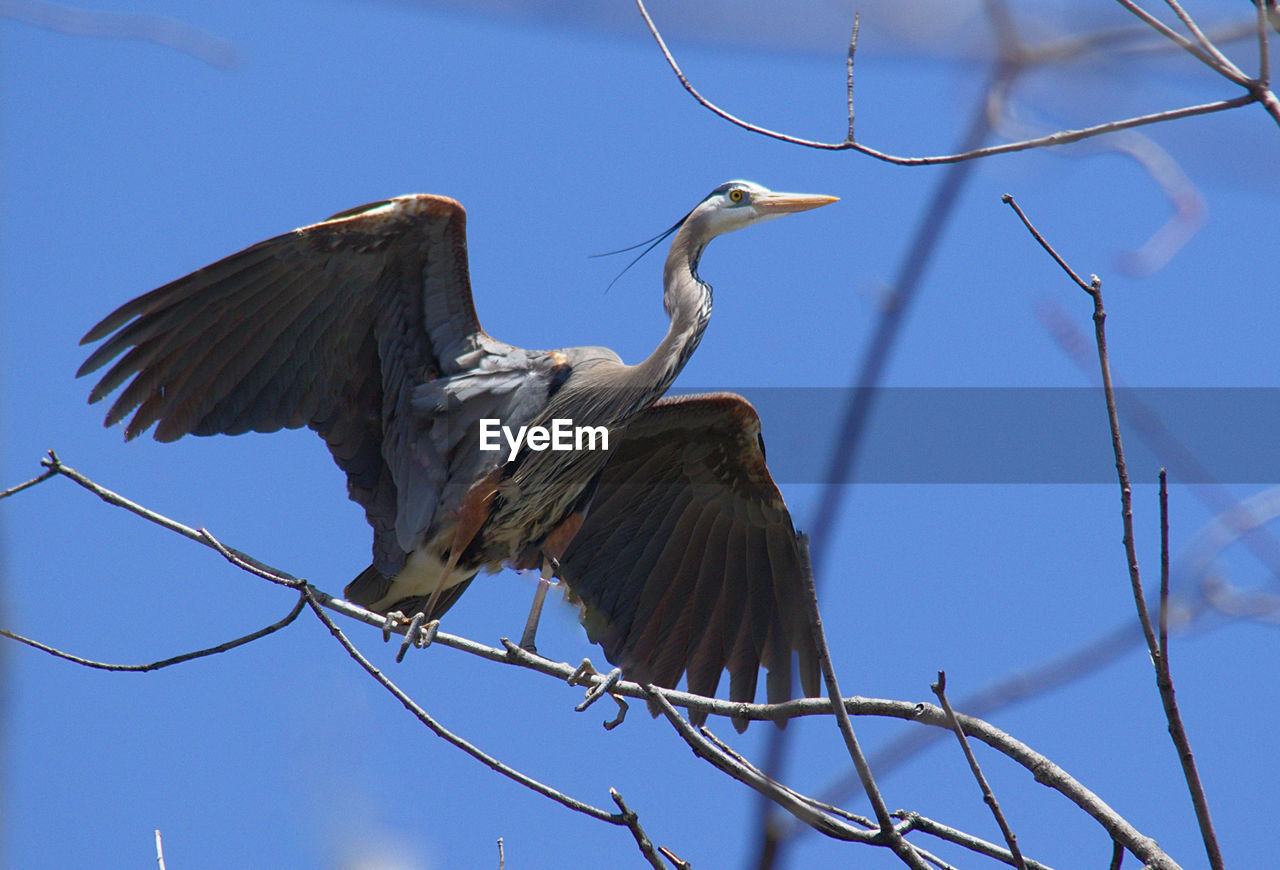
737, 204
731, 206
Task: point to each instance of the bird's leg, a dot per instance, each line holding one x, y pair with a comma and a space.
535, 612
472, 516
553, 547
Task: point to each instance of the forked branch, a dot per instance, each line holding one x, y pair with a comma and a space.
1257, 91
832, 821
1155, 648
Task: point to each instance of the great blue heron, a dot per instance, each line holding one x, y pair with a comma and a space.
675, 542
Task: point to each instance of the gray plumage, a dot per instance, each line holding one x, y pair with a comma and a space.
675, 542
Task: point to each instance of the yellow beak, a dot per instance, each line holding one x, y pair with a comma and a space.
787, 203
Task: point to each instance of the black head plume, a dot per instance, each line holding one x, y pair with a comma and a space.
652, 243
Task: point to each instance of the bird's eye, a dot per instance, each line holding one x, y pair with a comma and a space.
735, 195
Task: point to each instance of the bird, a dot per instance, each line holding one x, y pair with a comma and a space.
675, 543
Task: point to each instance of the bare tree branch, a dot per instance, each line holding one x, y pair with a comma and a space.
1264, 51
753, 777
1062, 137
853, 47
988, 796
830, 820
1164, 566
926, 825
1206, 53
54, 464
887, 830
39, 478
314, 602
1163, 680
632, 821
1117, 855
163, 663
1234, 520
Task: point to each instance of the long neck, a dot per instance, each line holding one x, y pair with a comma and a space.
687, 299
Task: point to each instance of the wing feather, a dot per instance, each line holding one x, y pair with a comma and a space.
330, 326
656, 639
688, 554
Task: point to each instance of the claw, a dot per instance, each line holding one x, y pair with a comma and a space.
411, 635
598, 690
580, 677
389, 622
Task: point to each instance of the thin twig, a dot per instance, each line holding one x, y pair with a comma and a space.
1194, 29
1048, 773
900, 847
853, 47
1163, 680
39, 478
1212, 59
680, 863
632, 821
976, 844
159, 850
751, 776
54, 464
859, 820
1086, 659
1264, 50
988, 796
1164, 565
1009, 201
1117, 855
313, 601
163, 663
925, 825
1241, 519
245, 563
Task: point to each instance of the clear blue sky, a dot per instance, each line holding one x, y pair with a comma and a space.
127, 165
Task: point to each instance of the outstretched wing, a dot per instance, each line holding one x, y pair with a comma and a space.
687, 560
330, 326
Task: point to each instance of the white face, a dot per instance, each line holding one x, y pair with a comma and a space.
738, 204
731, 207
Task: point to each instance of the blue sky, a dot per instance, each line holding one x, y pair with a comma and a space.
127, 164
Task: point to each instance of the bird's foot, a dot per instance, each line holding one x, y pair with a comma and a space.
584, 676
595, 692
583, 673
390, 622
418, 634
